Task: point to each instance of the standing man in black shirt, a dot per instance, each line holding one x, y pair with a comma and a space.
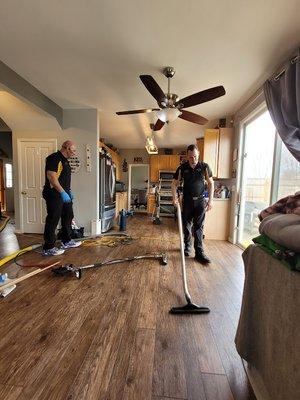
58, 196
194, 173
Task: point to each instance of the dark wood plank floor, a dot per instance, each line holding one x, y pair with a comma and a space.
110, 336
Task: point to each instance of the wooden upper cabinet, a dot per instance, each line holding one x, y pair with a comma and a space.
200, 145
174, 162
162, 163
211, 149
217, 151
225, 152
154, 168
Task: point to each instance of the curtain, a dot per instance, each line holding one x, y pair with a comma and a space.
282, 95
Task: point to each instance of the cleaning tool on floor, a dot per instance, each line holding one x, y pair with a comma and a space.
190, 307
18, 253
3, 280
70, 269
12, 282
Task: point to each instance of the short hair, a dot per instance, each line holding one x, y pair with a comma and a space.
67, 144
192, 147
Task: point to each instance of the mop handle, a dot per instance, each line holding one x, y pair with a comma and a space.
185, 288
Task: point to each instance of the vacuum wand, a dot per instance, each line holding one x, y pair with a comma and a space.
190, 307
185, 288
70, 269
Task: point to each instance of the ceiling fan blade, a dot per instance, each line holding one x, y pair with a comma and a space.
189, 116
201, 97
158, 125
145, 110
153, 87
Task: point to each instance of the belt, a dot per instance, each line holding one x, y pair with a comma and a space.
201, 197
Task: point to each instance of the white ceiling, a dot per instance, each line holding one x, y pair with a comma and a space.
90, 54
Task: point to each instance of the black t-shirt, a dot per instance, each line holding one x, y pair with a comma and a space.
56, 162
193, 178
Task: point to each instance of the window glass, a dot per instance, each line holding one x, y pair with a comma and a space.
289, 174
8, 176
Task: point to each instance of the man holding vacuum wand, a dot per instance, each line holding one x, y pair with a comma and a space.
193, 173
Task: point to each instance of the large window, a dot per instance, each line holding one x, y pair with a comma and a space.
289, 174
269, 172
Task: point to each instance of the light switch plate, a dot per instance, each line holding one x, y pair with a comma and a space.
88, 158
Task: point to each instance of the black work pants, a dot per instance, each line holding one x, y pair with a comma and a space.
193, 214
57, 210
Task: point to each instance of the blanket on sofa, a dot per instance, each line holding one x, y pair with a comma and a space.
284, 229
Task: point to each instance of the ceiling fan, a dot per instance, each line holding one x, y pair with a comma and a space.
171, 106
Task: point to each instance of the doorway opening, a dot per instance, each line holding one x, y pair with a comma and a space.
138, 187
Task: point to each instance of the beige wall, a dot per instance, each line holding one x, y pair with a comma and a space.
84, 183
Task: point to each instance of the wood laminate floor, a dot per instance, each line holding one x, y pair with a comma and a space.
110, 335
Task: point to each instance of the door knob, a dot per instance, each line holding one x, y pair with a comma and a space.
23, 192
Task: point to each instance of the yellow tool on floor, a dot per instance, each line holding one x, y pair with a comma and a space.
18, 253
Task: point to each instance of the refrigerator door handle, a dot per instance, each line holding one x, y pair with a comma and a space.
112, 182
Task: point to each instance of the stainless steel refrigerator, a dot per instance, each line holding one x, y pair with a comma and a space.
107, 191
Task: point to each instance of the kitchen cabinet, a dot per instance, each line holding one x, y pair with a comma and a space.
200, 145
151, 206
116, 159
217, 151
216, 224
162, 163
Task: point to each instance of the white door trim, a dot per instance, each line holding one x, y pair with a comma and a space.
20, 197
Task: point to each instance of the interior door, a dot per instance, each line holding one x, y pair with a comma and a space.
32, 155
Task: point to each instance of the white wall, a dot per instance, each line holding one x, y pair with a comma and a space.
139, 177
129, 155
82, 126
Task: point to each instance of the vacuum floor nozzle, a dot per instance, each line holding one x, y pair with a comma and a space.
189, 308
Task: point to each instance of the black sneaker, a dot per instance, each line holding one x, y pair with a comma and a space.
202, 258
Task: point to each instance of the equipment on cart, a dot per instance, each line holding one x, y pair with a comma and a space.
164, 197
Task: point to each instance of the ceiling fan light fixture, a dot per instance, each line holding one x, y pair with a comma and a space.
150, 146
168, 114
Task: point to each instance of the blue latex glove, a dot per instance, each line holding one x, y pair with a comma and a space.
71, 195
65, 197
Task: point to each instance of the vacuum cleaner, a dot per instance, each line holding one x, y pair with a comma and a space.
190, 307
71, 269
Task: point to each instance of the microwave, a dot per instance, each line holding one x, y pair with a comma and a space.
120, 186
166, 175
